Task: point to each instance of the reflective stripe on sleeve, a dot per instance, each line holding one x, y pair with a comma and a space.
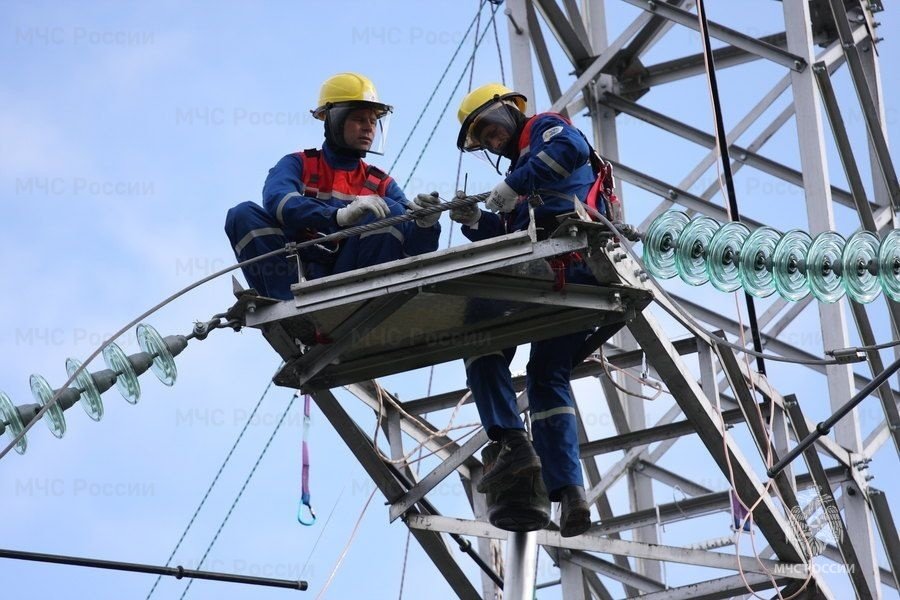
278, 212
548, 160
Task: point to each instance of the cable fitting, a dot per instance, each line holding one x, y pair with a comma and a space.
847, 355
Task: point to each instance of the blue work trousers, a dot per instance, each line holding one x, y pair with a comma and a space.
550, 399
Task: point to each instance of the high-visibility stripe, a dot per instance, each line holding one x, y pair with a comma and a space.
546, 414
472, 359
263, 231
524, 150
391, 230
548, 160
343, 196
280, 209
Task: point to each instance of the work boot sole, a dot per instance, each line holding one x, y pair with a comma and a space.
491, 483
575, 522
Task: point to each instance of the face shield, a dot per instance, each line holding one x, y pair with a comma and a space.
493, 129
358, 126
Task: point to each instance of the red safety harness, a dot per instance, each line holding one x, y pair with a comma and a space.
601, 195
325, 183
320, 180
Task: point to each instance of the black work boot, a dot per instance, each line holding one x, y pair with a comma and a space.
574, 514
517, 458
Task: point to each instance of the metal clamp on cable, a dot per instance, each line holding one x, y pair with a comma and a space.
845, 356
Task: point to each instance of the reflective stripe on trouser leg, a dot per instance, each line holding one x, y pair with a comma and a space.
553, 410
491, 383
252, 232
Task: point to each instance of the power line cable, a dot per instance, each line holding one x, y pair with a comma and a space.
243, 487
292, 247
722, 144
436, 86
214, 481
449, 100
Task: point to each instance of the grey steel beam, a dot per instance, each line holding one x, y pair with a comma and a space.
600, 62
519, 36
689, 66
866, 334
755, 422
604, 509
817, 471
886, 576
545, 64
416, 427
707, 140
715, 589
696, 506
363, 320
820, 215
673, 193
866, 101
769, 342
631, 456
361, 447
594, 543
888, 530
571, 578
643, 437
575, 46
831, 56
577, 22
449, 464
696, 407
728, 35
627, 577
673, 480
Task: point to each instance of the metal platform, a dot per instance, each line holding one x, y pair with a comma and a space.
443, 306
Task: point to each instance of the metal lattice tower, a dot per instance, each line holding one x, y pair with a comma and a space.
363, 315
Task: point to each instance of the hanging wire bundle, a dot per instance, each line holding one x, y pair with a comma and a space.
766, 261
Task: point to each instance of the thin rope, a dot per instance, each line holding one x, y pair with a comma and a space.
346, 546
321, 533
241, 491
437, 85
215, 480
447, 104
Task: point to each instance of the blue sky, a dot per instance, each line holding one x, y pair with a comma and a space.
126, 132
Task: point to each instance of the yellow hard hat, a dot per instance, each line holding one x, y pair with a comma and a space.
477, 101
345, 88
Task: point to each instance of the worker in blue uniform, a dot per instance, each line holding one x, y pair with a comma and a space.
316, 192
551, 158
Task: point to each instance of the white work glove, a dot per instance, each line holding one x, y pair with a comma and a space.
353, 212
502, 199
426, 201
467, 215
